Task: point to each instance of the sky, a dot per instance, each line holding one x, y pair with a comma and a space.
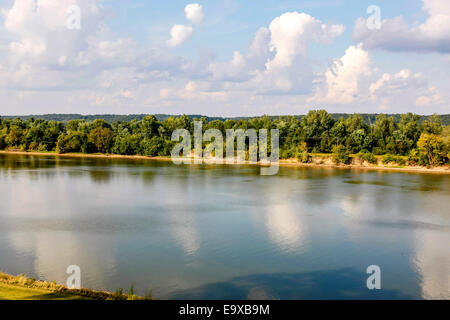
224, 57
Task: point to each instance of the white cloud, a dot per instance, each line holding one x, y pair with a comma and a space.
431, 36
289, 69
46, 67
38, 29
63, 68
354, 83
343, 78
179, 34
277, 61
291, 34
49, 55
194, 13
231, 70
404, 91
431, 97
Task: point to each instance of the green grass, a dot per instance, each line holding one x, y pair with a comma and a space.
23, 288
13, 292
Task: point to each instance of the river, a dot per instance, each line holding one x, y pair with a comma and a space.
224, 231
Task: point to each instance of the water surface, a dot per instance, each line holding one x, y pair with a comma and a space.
225, 232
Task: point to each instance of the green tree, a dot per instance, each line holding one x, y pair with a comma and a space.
384, 128
74, 141
410, 130
216, 124
51, 133
15, 136
126, 143
152, 147
317, 125
102, 139
356, 140
150, 126
433, 149
433, 125
341, 154
73, 125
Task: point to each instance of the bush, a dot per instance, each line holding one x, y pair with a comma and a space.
286, 153
367, 156
34, 146
341, 154
378, 151
302, 153
389, 158
303, 157
415, 157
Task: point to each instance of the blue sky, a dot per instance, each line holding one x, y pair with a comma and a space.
227, 58
231, 24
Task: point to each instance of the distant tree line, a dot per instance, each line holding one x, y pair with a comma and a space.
407, 138
368, 118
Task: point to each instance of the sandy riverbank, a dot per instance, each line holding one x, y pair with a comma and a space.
317, 162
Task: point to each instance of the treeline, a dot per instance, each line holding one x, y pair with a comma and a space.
424, 142
368, 118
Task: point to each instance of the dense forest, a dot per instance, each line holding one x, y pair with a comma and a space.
405, 139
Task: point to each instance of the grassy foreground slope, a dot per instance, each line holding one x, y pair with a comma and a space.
14, 292
23, 288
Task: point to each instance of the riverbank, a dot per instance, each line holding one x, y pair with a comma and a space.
23, 288
317, 160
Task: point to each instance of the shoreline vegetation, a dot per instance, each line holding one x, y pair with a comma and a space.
24, 288
406, 142
316, 161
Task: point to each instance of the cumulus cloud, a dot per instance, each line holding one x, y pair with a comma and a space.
39, 29
353, 81
41, 52
289, 70
231, 70
396, 35
404, 87
194, 13
291, 34
342, 79
278, 62
45, 67
179, 34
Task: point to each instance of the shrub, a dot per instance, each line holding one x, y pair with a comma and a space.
302, 154
415, 157
378, 151
341, 154
286, 153
389, 158
34, 146
303, 157
367, 156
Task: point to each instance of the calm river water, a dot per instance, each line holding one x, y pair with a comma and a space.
219, 232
